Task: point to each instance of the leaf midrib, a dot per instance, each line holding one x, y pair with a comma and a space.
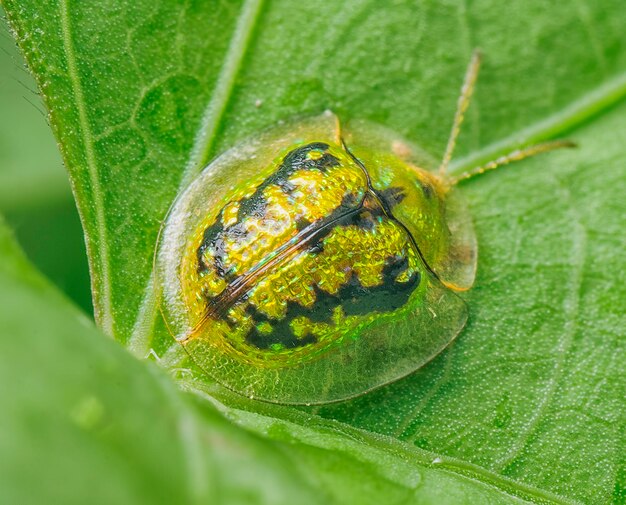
214, 112
588, 106
201, 151
103, 301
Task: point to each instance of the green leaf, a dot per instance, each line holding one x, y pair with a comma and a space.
35, 194
534, 388
30, 165
82, 421
143, 94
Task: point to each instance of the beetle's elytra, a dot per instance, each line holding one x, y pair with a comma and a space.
318, 261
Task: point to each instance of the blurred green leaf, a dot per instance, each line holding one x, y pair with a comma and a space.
82, 421
30, 165
143, 94
52, 238
35, 194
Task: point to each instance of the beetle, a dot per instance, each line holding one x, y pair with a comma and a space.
318, 261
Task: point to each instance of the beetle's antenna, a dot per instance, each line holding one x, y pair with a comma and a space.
518, 154
463, 103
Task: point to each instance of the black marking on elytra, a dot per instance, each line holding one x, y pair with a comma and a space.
302, 223
365, 215
281, 332
215, 239
387, 209
387, 297
368, 219
391, 196
295, 160
353, 297
427, 189
316, 247
208, 241
311, 238
216, 235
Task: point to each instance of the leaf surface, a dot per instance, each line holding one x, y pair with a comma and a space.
142, 95
83, 421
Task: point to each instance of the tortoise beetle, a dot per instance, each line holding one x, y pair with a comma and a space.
318, 261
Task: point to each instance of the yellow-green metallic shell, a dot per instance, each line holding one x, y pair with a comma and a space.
434, 212
315, 263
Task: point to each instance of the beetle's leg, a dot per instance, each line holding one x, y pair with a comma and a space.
464, 100
518, 154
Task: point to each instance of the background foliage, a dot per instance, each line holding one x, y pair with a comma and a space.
34, 189
528, 404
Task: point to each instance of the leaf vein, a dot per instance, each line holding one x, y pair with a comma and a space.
568, 118
578, 249
214, 112
100, 273
201, 151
